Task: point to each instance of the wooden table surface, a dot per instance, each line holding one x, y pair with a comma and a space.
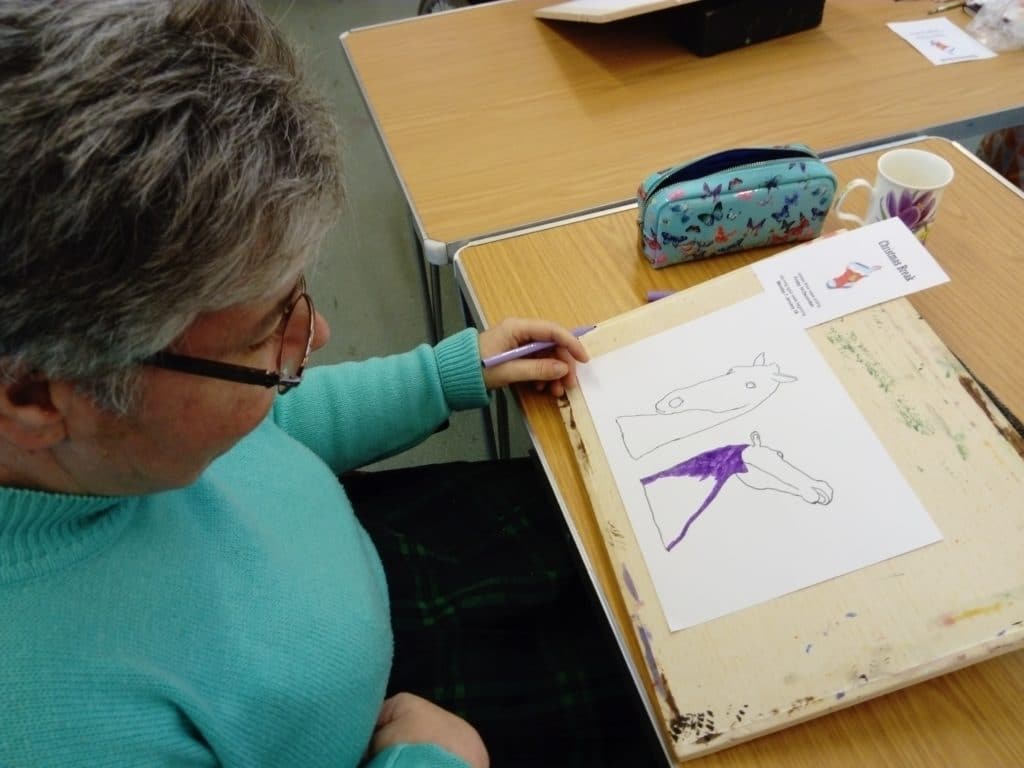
586, 270
494, 119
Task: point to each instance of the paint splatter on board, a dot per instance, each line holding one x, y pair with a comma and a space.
630, 585
911, 418
949, 619
1011, 435
850, 347
698, 727
799, 704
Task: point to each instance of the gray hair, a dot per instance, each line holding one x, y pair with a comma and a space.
158, 159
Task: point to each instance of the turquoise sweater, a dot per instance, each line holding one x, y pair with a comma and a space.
242, 621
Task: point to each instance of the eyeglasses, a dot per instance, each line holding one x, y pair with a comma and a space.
297, 324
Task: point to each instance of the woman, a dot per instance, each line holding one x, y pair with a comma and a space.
182, 578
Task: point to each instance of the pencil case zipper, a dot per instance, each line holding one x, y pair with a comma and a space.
718, 162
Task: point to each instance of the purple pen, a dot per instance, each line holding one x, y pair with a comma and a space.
529, 349
655, 295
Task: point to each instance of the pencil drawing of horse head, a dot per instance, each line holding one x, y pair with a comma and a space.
741, 388
689, 410
768, 470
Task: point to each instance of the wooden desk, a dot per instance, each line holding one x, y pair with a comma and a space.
589, 269
496, 120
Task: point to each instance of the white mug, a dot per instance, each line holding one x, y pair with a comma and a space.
909, 185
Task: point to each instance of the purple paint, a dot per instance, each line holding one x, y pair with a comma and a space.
630, 585
652, 663
719, 463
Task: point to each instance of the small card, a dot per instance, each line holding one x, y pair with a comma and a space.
941, 41
834, 276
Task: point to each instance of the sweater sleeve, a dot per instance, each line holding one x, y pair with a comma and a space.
415, 756
351, 414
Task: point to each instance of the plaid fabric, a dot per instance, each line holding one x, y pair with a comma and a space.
494, 619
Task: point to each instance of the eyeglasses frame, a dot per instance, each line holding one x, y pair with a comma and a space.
244, 374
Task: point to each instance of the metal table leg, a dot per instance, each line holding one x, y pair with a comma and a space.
499, 398
428, 302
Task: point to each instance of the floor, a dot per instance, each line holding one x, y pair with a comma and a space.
368, 285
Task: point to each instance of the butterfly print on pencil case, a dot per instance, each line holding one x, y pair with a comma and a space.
800, 229
712, 193
721, 236
681, 213
652, 241
709, 219
735, 245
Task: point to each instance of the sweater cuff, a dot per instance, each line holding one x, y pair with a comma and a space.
415, 756
462, 378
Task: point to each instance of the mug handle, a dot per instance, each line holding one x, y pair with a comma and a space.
841, 215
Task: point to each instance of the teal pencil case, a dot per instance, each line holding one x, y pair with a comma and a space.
733, 200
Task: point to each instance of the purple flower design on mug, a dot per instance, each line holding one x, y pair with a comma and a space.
915, 209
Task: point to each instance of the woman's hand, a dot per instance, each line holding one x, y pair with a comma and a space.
554, 368
408, 719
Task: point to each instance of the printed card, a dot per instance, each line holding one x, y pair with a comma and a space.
941, 41
850, 271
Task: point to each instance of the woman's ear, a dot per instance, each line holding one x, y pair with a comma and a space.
30, 416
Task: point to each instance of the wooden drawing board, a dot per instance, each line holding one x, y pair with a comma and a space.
871, 631
602, 11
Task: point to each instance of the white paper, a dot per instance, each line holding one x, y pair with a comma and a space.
834, 276
600, 11
941, 41
818, 497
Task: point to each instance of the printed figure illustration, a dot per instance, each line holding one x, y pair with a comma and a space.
673, 493
706, 404
855, 271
